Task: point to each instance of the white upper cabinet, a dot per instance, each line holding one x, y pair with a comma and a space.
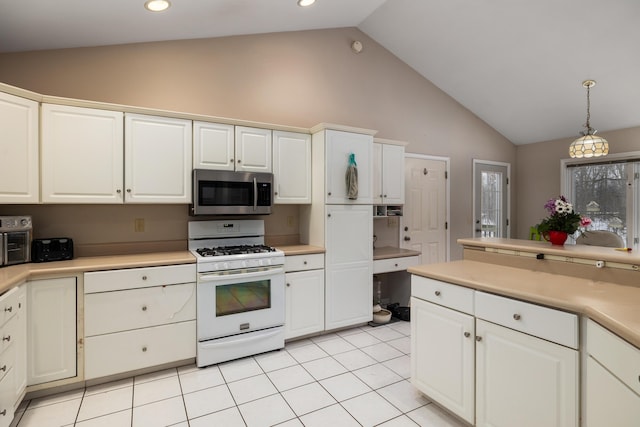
292, 167
18, 150
82, 155
339, 146
253, 149
213, 146
158, 159
389, 176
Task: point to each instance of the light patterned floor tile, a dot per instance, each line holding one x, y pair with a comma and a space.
240, 369
402, 327
345, 386
401, 421
56, 398
199, 379
334, 415
267, 411
161, 413
362, 339
355, 359
116, 419
382, 352
54, 415
307, 353
377, 376
308, 398
226, 418
403, 344
400, 365
335, 345
288, 378
370, 409
403, 395
432, 416
110, 401
153, 391
324, 368
113, 385
156, 375
275, 360
385, 333
251, 388
209, 400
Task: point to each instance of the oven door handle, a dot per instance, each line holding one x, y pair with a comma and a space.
244, 273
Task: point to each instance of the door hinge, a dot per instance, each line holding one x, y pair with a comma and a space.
446, 175
507, 222
507, 181
446, 225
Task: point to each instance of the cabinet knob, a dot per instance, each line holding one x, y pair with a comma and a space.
9, 309
384, 195
478, 338
305, 263
516, 317
3, 412
275, 193
231, 160
467, 334
437, 293
407, 238
396, 264
329, 215
144, 277
288, 285
4, 368
144, 349
7, 338
144, 308
329, 193
118, 191
238, 160
128, 190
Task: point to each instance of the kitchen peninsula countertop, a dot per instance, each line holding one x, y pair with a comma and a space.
15, 274
616, 306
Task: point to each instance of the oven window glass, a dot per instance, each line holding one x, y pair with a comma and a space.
225, 193
17, 247
242, 297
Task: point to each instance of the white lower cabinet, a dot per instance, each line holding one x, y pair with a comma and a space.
523, 380
304, 295
612, 380
494, 361
51, 330
11, 331
139, 318
446, 375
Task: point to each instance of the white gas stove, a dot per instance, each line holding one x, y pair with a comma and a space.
240, 290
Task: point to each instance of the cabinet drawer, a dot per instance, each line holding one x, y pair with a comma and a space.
546, 323
128, 351
6, 398
8, 334
7, 360
394, 264
114, 280
442, 293
107, 312
8, 305
615, 354
303, 262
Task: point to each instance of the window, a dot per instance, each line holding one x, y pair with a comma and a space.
606, 192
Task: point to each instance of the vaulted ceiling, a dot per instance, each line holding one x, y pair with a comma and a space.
517, 65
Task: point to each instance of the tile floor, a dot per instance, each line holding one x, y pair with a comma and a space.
356, 377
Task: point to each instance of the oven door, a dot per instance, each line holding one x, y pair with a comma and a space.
238, 301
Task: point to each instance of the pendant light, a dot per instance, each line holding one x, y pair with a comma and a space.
589, 145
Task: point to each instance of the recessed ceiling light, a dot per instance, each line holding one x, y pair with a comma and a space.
157, 5
305, 3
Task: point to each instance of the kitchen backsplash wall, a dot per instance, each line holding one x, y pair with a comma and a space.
110, 229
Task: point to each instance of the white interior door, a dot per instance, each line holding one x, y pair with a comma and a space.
424, 225
490, 199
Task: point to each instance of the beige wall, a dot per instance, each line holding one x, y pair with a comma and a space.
297, 79
538, 172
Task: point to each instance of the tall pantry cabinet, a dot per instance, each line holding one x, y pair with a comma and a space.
344, 227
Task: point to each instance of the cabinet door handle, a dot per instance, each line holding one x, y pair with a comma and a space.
144, 277
9, 309
144, 308
7, 338
4, 368
478, 338
3, 412
467, 334
437, 293
516, 316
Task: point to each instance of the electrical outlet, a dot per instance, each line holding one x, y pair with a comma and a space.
138, 225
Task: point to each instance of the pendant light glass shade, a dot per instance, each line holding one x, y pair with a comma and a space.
589, 145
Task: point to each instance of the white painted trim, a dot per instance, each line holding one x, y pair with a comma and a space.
447, 162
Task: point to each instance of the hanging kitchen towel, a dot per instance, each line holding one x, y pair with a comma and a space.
351, 178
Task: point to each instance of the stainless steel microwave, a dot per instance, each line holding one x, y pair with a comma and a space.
231, 193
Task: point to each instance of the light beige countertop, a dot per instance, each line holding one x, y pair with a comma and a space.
15, 274
387, 252
301, 249
616, 306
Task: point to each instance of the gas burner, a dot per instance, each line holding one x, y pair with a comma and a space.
234, 250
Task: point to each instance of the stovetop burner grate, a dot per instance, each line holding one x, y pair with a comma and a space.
234, 250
